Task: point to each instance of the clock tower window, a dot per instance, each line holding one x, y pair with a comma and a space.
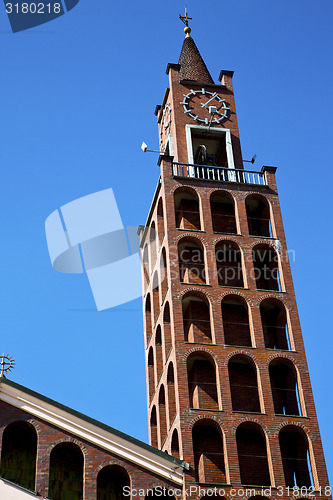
208, 146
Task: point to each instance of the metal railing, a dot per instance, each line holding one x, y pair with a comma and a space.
219, 174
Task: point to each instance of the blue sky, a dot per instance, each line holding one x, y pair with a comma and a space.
78, 98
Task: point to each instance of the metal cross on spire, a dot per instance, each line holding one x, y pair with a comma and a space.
185, 19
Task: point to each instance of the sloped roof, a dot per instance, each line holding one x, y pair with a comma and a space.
192, 66
93, 431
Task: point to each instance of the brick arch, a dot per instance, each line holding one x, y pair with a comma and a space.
239, 293
111, 462
190, 234
68, 440
284, 300
275, 244
212, 418
211, 191
193, 289
202, 349
228, 237
287, 423
259, 195
243, 352
27, 419
253, 420
284, 355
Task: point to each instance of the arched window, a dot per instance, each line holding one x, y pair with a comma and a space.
18, 455
283, 378
243, 384
66, 472
191, 261
187, 209
151, 372
162, 415
252, 455
160, 221
229, 264
171, 394
145, 258
158, 352
156, 296
111, 481
196, 319
235, 316
266, 268
148, 318
167, 330
294, 447
208, 453
152, 244
153, 428
164, 274
223, 212
258, 219
274, 324
175, 444
201, 373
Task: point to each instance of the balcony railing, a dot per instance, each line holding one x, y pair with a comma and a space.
219, 174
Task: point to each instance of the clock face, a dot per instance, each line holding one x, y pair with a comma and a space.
204, 106
165, 125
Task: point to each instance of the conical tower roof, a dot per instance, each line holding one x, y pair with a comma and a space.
192, 66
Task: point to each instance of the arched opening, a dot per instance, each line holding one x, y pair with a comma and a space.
145, 258
191, 261
258, 219
148, 318
156, 296
187, 209
243, 384
252, 455
201, 374
171, 394
196, 319
160, 221
162, 414
164, 274
208, 453
266, 268
151, 373
158, 352
274, 324
223, 212
294, 447
66, 472
167, 330
235, 316
152, 244
18, 455
283, 378
175, 444
229, 264
111, 481
153, 428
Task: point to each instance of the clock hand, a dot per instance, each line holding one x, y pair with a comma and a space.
210, 100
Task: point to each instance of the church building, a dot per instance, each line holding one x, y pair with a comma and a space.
230, 406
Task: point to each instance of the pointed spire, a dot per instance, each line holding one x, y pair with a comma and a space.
192, 66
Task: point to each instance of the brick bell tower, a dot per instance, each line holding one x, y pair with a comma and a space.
228, 383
